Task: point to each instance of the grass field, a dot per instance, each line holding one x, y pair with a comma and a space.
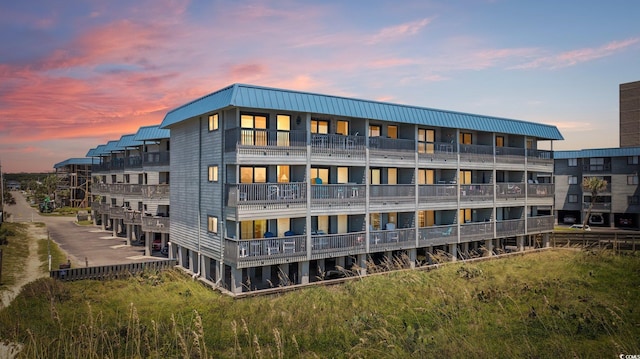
556, 303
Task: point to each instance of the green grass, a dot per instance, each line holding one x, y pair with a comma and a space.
559, 303
14, 253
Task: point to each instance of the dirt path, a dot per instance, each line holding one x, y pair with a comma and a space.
30, 272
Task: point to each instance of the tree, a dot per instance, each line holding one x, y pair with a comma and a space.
594, 185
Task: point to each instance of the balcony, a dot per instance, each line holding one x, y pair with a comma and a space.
510, 228
125, 189
391, 149
597, 206
155, 224
476, 154
506, 191
540, 224
331, 147
540, 190
393, 239
155, 158
438, 152
155, 191
392, 194
439, 193
132, 217
100, 189
327, 245
271, 195
133, 162
116, 212
438, 235
540, 158
476, 193
338, 196
511, 155
266, 143
475, 231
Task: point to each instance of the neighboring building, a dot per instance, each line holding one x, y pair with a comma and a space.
618, 205
274, 187
74, 186
132, 181
13, 185
630, 114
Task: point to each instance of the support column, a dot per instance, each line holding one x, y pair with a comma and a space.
266, 279
103, 225
114, 227
129, 233
206, 266
322, 268
389, 255
413, 257
340, 262
429, 254
148, 239
465, 249
303, 272
362, 264
453, 250
545, 240
488, 245
236, 280
520, 243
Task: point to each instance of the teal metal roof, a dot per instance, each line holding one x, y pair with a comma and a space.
598, 152
91, 152
77, 161
249, 96
148, 133
106, 149
96, 152
127, 141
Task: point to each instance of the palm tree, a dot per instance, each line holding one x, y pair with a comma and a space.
593, 185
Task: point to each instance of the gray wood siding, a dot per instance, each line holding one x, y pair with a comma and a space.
184, 184
211, 192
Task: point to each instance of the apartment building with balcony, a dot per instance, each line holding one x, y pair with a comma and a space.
275, 187
74, 185
132, 182
616, 206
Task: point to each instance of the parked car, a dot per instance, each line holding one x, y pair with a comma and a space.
579, 226
156, 245
569, 219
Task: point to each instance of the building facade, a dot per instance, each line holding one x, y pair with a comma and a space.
616, 206
131, 184
275, 187
630, 114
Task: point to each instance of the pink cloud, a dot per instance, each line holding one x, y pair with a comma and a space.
399, 31
574, 57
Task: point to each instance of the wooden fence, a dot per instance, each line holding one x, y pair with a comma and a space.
616, 240
112, 271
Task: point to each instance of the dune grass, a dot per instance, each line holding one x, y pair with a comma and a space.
558, 303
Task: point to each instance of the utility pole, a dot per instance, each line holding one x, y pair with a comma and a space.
1, 195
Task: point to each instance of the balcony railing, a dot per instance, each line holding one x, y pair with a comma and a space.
337, 146
132, 217
437, 235
133, 162
330, 243
266, 193
439, 192
161, 158
599, 206
116, 212
540, 190
100, 188
125, 188
155, 191
510, 228
331, 196
510, 190
155, 224
236, 138
390, 192
392, 144
476, 231
539, 224
476, 192
392, 239
540, 157
476, 153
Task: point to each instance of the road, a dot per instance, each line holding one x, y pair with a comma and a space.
84, 245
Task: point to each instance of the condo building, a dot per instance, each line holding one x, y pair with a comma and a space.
273, 187
618, 205
131, 187
74, 182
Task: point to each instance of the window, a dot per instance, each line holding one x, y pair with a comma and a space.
283, 173
426, 218
375, 131
213, 122
465, 138
212, 224
632, 179
465, 215
342, 128
426, 139
253, 229
254, 130
392, 176
392, 131
573, 180
319, 126
284, 126
632, 160
375, 176
633, 199
572, 198
465, 177
343, 174
426, 176
319, 175
572, 162
499, 141
213, 173
253, 174
596, 164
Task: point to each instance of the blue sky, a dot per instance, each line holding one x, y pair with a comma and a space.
76, 74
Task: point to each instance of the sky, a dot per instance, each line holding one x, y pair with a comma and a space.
76, 74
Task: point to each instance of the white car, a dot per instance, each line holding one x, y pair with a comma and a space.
579, 226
